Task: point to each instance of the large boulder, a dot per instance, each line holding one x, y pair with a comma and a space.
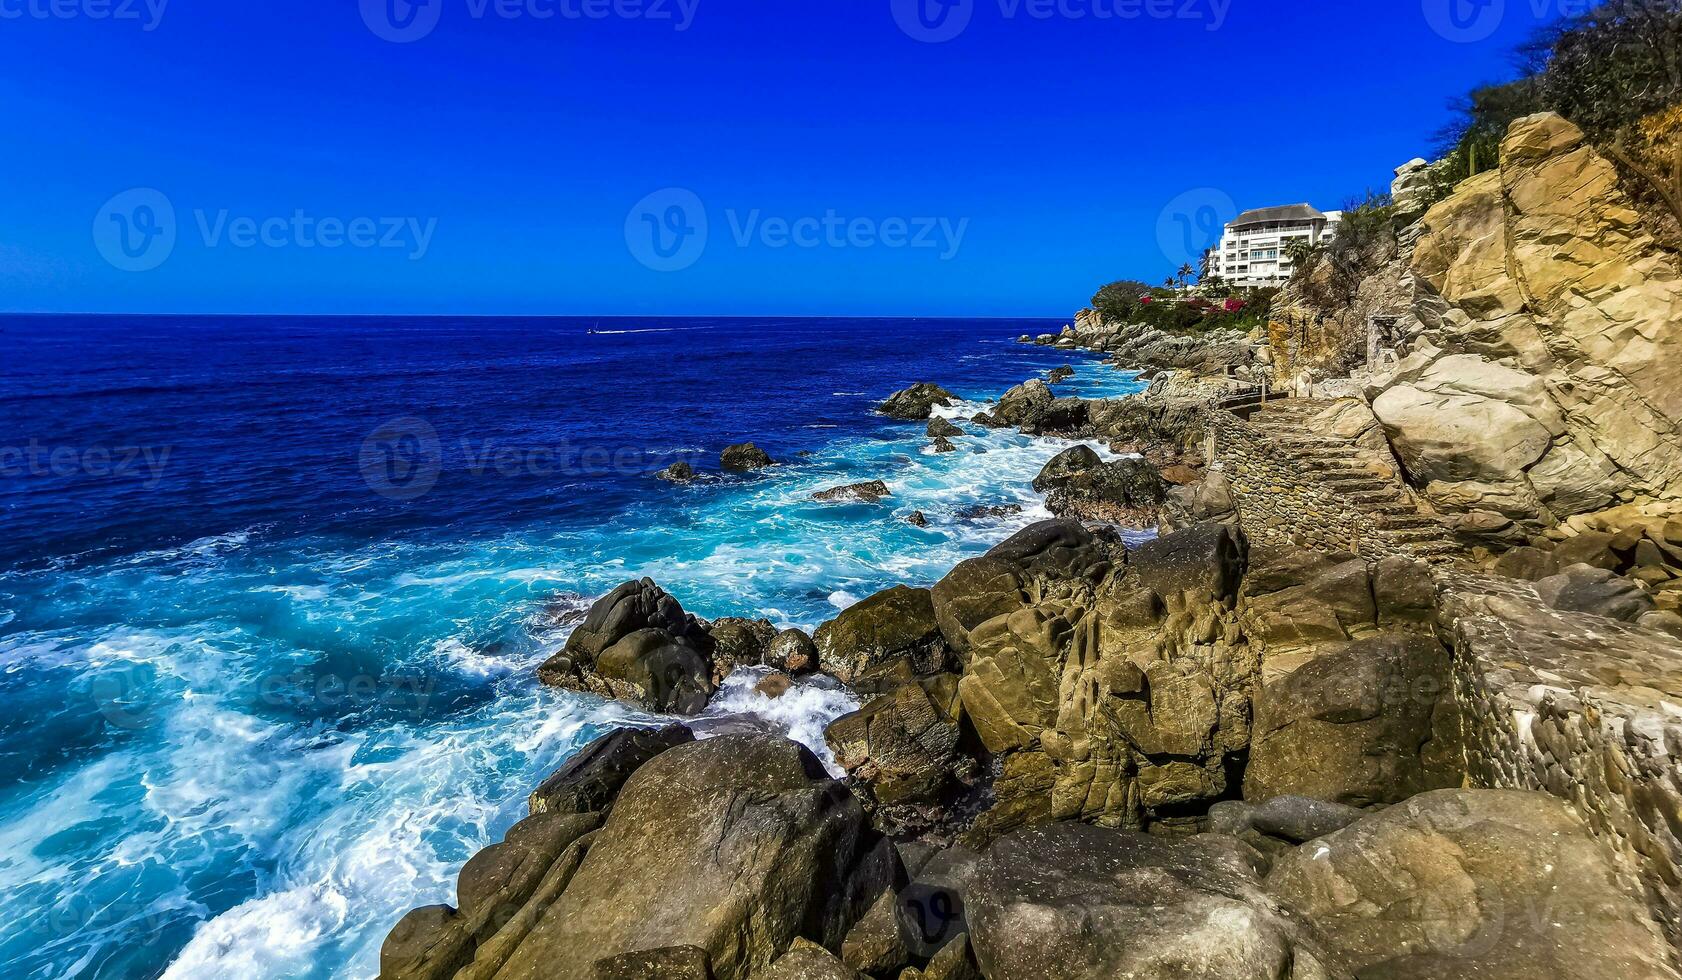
917, 402
638, 645
1371, 723
1074, 902
1127, 492
889, 629
866, 493
1596, 591
737, 846
590, 781
792, 651
940, 428
1206, 562
1462, 884
1066, 467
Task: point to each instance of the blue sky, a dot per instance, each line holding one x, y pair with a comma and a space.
596, 157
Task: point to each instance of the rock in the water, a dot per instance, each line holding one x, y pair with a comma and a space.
793, 652
678, 472
744, 458
981, 512
917, 519
1075, 902
894, 626
590, 780
739, 643
944, 445
737, 846
943, 427
638, 645
1058, 375
774, 685
1371, 723
917, 402
1127, 491
1464, 884
867, 493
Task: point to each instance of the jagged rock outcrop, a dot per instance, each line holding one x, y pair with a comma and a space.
867, 493
1472, 883
638, 645
1080, 485
1545, 383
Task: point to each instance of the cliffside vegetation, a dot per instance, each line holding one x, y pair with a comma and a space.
1172, 309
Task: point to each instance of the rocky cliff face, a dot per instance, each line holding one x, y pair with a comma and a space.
1546, 380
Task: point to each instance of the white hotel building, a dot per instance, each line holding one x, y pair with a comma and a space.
1252, 251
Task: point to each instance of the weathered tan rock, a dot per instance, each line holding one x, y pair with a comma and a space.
1472, 883
894, 626
1551, 375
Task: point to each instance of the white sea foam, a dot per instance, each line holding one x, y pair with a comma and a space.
801, 713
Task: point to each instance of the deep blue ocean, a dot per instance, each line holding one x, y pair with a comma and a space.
272, 590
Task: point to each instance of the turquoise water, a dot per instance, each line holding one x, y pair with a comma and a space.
248, 753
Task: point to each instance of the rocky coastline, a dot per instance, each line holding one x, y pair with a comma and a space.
1394, 692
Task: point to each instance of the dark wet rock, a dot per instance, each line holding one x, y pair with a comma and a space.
1065, 467
1370, 723
638, 645
1206, 561
591, 780
903, 743
917, 402
1061, 416
944, 445
1076, 902
917, 519
744, 458
750, 818
1596, 591
867, 493
739, 643
679, 472
942, 427
1059, 375
871, 637
982, 512
1464, 884
1080, 485
793, 652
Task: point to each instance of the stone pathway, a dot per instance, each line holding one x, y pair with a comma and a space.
1337, 463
